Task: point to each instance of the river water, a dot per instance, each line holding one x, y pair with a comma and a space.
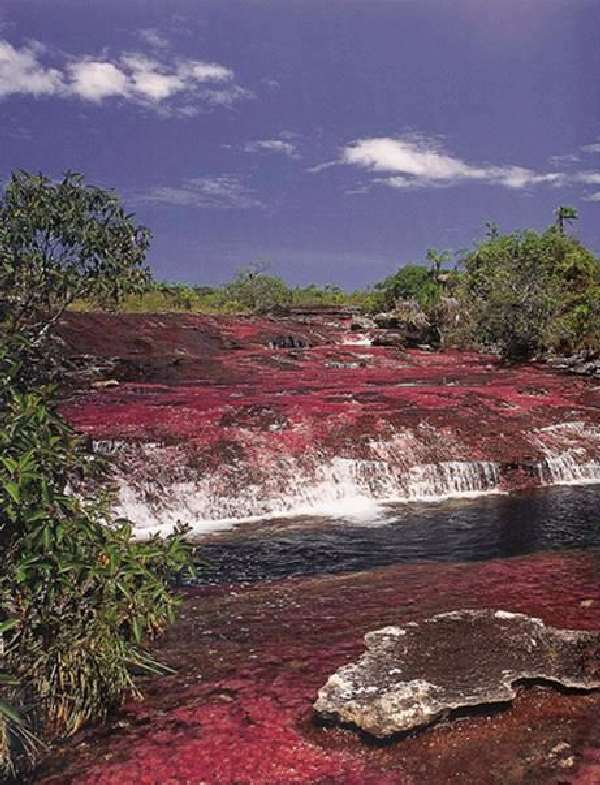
463, 530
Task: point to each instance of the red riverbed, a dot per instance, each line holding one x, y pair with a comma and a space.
250, 661
218, 387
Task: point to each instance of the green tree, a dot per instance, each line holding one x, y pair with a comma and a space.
411, 282
254, 290
62, 241
77, 594
437, 259
526, 292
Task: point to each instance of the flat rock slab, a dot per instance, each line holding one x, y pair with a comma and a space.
411, 675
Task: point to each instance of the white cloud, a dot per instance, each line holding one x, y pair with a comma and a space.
205, 72
595, 197
133, 76
151, 36
21, 72
221, 192
94, 80
417, 161
589, 178
225, 96
272, 146
591, 148
560, 160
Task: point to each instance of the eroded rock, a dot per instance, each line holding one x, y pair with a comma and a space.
410, 676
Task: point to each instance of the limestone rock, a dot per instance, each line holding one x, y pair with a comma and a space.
412, 675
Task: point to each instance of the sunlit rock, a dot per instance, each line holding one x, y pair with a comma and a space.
412, 675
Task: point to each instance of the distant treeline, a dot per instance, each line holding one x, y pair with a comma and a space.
521, 293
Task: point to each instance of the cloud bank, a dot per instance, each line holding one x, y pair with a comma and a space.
134, 77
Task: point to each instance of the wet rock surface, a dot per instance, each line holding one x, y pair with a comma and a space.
414, 674
212, 420
249, 661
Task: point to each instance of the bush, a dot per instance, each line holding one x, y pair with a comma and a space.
60, 242
411, 282
79, 593
526, 292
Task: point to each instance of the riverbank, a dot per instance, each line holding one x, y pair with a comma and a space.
250, 659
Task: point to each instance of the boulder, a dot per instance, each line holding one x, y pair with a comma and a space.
407, 321
287, 342
390, 338
412, 675
362, 324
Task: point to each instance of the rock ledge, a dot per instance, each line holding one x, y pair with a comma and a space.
412, 675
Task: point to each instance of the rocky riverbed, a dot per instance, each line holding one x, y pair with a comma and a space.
250, 661
219, 419
212, 420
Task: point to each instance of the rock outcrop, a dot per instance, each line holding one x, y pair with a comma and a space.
412, 675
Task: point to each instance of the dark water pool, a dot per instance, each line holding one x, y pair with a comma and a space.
487, 527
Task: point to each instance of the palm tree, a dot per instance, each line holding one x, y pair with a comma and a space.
492, 230
565, 215
437, 259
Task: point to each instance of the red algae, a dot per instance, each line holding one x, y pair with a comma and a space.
227, 389
250, 661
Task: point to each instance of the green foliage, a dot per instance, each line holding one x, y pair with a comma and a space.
527, 292
79, 593
60, 242
411, 282
565, 216
255, 291
248, 292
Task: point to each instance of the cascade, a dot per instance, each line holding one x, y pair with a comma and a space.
570, 451
162, 485
345, 487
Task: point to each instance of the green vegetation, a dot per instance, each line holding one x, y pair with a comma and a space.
77, 595
520, 294
60, 242
248, 292
527, 292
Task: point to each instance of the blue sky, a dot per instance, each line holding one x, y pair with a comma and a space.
333, 140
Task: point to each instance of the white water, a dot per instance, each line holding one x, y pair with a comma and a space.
571, 451
348, 488
165, 491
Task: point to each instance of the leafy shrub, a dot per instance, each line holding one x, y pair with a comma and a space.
60, 241
527, 292
79, 593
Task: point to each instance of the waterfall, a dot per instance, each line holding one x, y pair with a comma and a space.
165, 484
571, 453
568, 468
342, 487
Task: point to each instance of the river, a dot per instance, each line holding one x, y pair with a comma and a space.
495, 526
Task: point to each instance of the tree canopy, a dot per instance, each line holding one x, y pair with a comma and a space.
60, 241
526, 292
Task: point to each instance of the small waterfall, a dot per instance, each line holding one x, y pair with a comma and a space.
569, 468
162, 485
453, 478
343, 487
571, 453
